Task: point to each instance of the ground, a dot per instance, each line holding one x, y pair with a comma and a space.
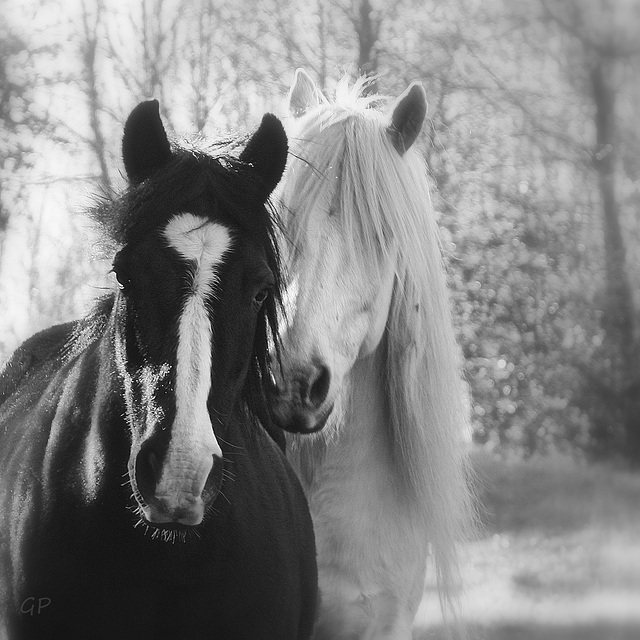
558, 556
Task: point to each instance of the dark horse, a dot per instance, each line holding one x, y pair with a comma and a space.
140, 495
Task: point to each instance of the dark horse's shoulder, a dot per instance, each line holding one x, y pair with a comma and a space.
42, 348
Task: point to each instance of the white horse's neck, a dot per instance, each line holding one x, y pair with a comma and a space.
367, 408
359, 445
362, 522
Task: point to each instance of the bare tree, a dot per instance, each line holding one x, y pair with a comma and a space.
91, 23
149, 68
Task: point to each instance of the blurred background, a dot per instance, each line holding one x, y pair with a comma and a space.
532, 144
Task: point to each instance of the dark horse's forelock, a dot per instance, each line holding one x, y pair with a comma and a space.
224, 189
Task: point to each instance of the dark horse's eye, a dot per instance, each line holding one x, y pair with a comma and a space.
262, 295
122, 277
123, 280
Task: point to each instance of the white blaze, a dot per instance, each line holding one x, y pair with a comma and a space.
193, 443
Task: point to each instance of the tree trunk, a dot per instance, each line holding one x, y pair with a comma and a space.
98, 143
367, 28
618, 318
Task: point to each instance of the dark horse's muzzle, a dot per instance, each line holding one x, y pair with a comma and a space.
176, 484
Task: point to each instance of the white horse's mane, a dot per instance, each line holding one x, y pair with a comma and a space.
384, 203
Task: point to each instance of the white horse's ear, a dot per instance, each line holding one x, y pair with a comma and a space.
407, 116
304, 94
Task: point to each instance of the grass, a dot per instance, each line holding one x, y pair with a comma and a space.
558, 557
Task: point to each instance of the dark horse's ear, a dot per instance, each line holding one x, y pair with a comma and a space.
145, 147
266, 152
407, 116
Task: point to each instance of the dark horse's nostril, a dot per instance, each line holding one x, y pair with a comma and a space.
214, 481
319, 387
147, 465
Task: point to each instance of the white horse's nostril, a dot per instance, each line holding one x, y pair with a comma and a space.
319, 387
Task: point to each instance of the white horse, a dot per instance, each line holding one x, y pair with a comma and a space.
369, 354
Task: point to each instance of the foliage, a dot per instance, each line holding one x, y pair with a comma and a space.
510, 143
